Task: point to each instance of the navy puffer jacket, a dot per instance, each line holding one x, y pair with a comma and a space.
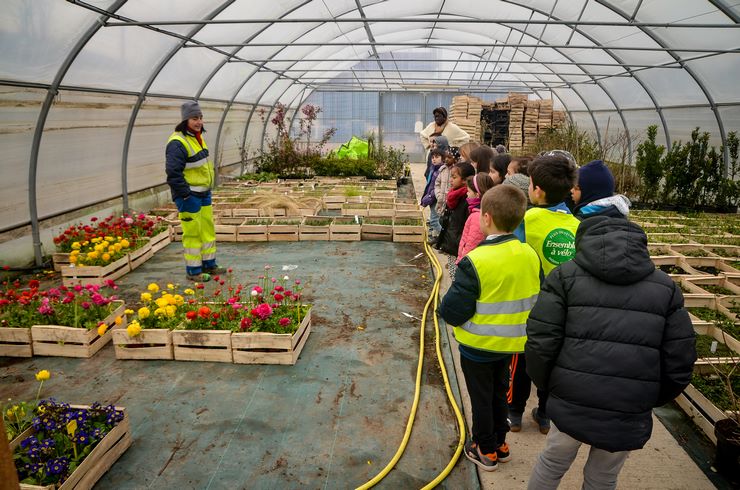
609, 338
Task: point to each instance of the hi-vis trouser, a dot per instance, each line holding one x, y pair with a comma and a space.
198, 233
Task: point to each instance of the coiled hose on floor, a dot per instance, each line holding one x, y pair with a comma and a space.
433, 301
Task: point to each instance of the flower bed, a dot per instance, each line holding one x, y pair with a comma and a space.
271, 348
64, 341
70, 446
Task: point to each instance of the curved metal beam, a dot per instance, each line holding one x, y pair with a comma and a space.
699, 82
142, 95
41, 121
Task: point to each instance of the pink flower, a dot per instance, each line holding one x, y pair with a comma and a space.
78, 288
279, 288
297, 281
85, 305
128, 221
284, 322
257, 289
111, 284
273, 279
262, 311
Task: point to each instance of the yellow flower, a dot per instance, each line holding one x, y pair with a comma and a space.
41, 409
189, 291
171, 300
170, 310
72, 259
119, 320
106, 257
105, 244
128, 311
125, 243
43, 375
143, 312
96, 239
170, 286
102, 328
133, 329
10, 412
74, 252
162, 302
146, 297
72, 427
92, 255
98, 248
109, 238
75, 245
179, 300
160, 312
153, 287
117, 247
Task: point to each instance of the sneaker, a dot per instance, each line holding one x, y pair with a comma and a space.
543, 422
432, 239
502, 453
486, 462
203, 277
515, 421
214, 270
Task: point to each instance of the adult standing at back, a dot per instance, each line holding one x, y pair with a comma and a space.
190, 175
455, 136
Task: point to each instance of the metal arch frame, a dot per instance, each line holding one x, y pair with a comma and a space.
41, 121
236, 92
725, 9
699, 82
142, 95
565, 83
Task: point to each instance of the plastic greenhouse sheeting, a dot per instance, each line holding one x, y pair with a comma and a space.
79, 77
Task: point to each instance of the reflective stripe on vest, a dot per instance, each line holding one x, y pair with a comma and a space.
508, 273
199, 174
552, 234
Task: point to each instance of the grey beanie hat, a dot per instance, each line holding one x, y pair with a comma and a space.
190, 109
518, 180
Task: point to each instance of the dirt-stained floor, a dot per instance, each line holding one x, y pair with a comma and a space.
331, 421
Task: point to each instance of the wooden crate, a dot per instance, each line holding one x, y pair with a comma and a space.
253, 230
381, 210
15, 342
55, 340
308, 231
270, 348
371, 231
225, 233
84, 275
139, 256
281, 231
245, 212
161, 240
355, 209
202, 345
272, 212
345, 229
721, 336
151, 343
177, 233
100, 459
59, 260
408, 233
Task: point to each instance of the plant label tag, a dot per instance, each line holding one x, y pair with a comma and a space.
713, 347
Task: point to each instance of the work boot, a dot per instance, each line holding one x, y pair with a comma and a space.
543, 422
215, 270
515, 421
202, 277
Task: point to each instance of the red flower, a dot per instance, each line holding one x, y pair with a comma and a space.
229, 270
33, 284
245, 323
204, 311
258, 289
216, 316
279, 297
93, 219
190, 315
6, 267
284, 322
279, 288
200, 285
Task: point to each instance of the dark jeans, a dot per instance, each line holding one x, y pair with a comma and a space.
487, 385
522, 385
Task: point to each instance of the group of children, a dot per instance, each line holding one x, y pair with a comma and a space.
556, 285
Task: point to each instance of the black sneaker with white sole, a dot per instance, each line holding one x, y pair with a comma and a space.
486, 462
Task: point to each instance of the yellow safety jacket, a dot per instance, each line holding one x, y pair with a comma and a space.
509, 277
198, 173
552, 234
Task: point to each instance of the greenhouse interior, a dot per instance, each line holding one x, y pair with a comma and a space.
402, 244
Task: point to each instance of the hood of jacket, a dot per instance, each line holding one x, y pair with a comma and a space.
618, 201
613, 249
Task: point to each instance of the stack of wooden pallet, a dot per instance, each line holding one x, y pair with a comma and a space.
558, 118
544, 121
465, 112
502, 104
517, 103
531, 116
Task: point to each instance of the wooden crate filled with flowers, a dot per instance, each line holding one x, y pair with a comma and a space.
75, 322
149, 333
18, 311
276, 324
70, 446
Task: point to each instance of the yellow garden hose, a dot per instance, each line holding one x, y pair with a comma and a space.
433, 300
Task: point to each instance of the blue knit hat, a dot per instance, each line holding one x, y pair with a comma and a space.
595, 181
442, 143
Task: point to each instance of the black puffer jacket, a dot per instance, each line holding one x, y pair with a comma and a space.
609, 338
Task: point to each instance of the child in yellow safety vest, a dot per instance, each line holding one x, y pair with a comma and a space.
489, 301
550, 229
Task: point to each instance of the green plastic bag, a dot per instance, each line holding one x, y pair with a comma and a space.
352, 150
